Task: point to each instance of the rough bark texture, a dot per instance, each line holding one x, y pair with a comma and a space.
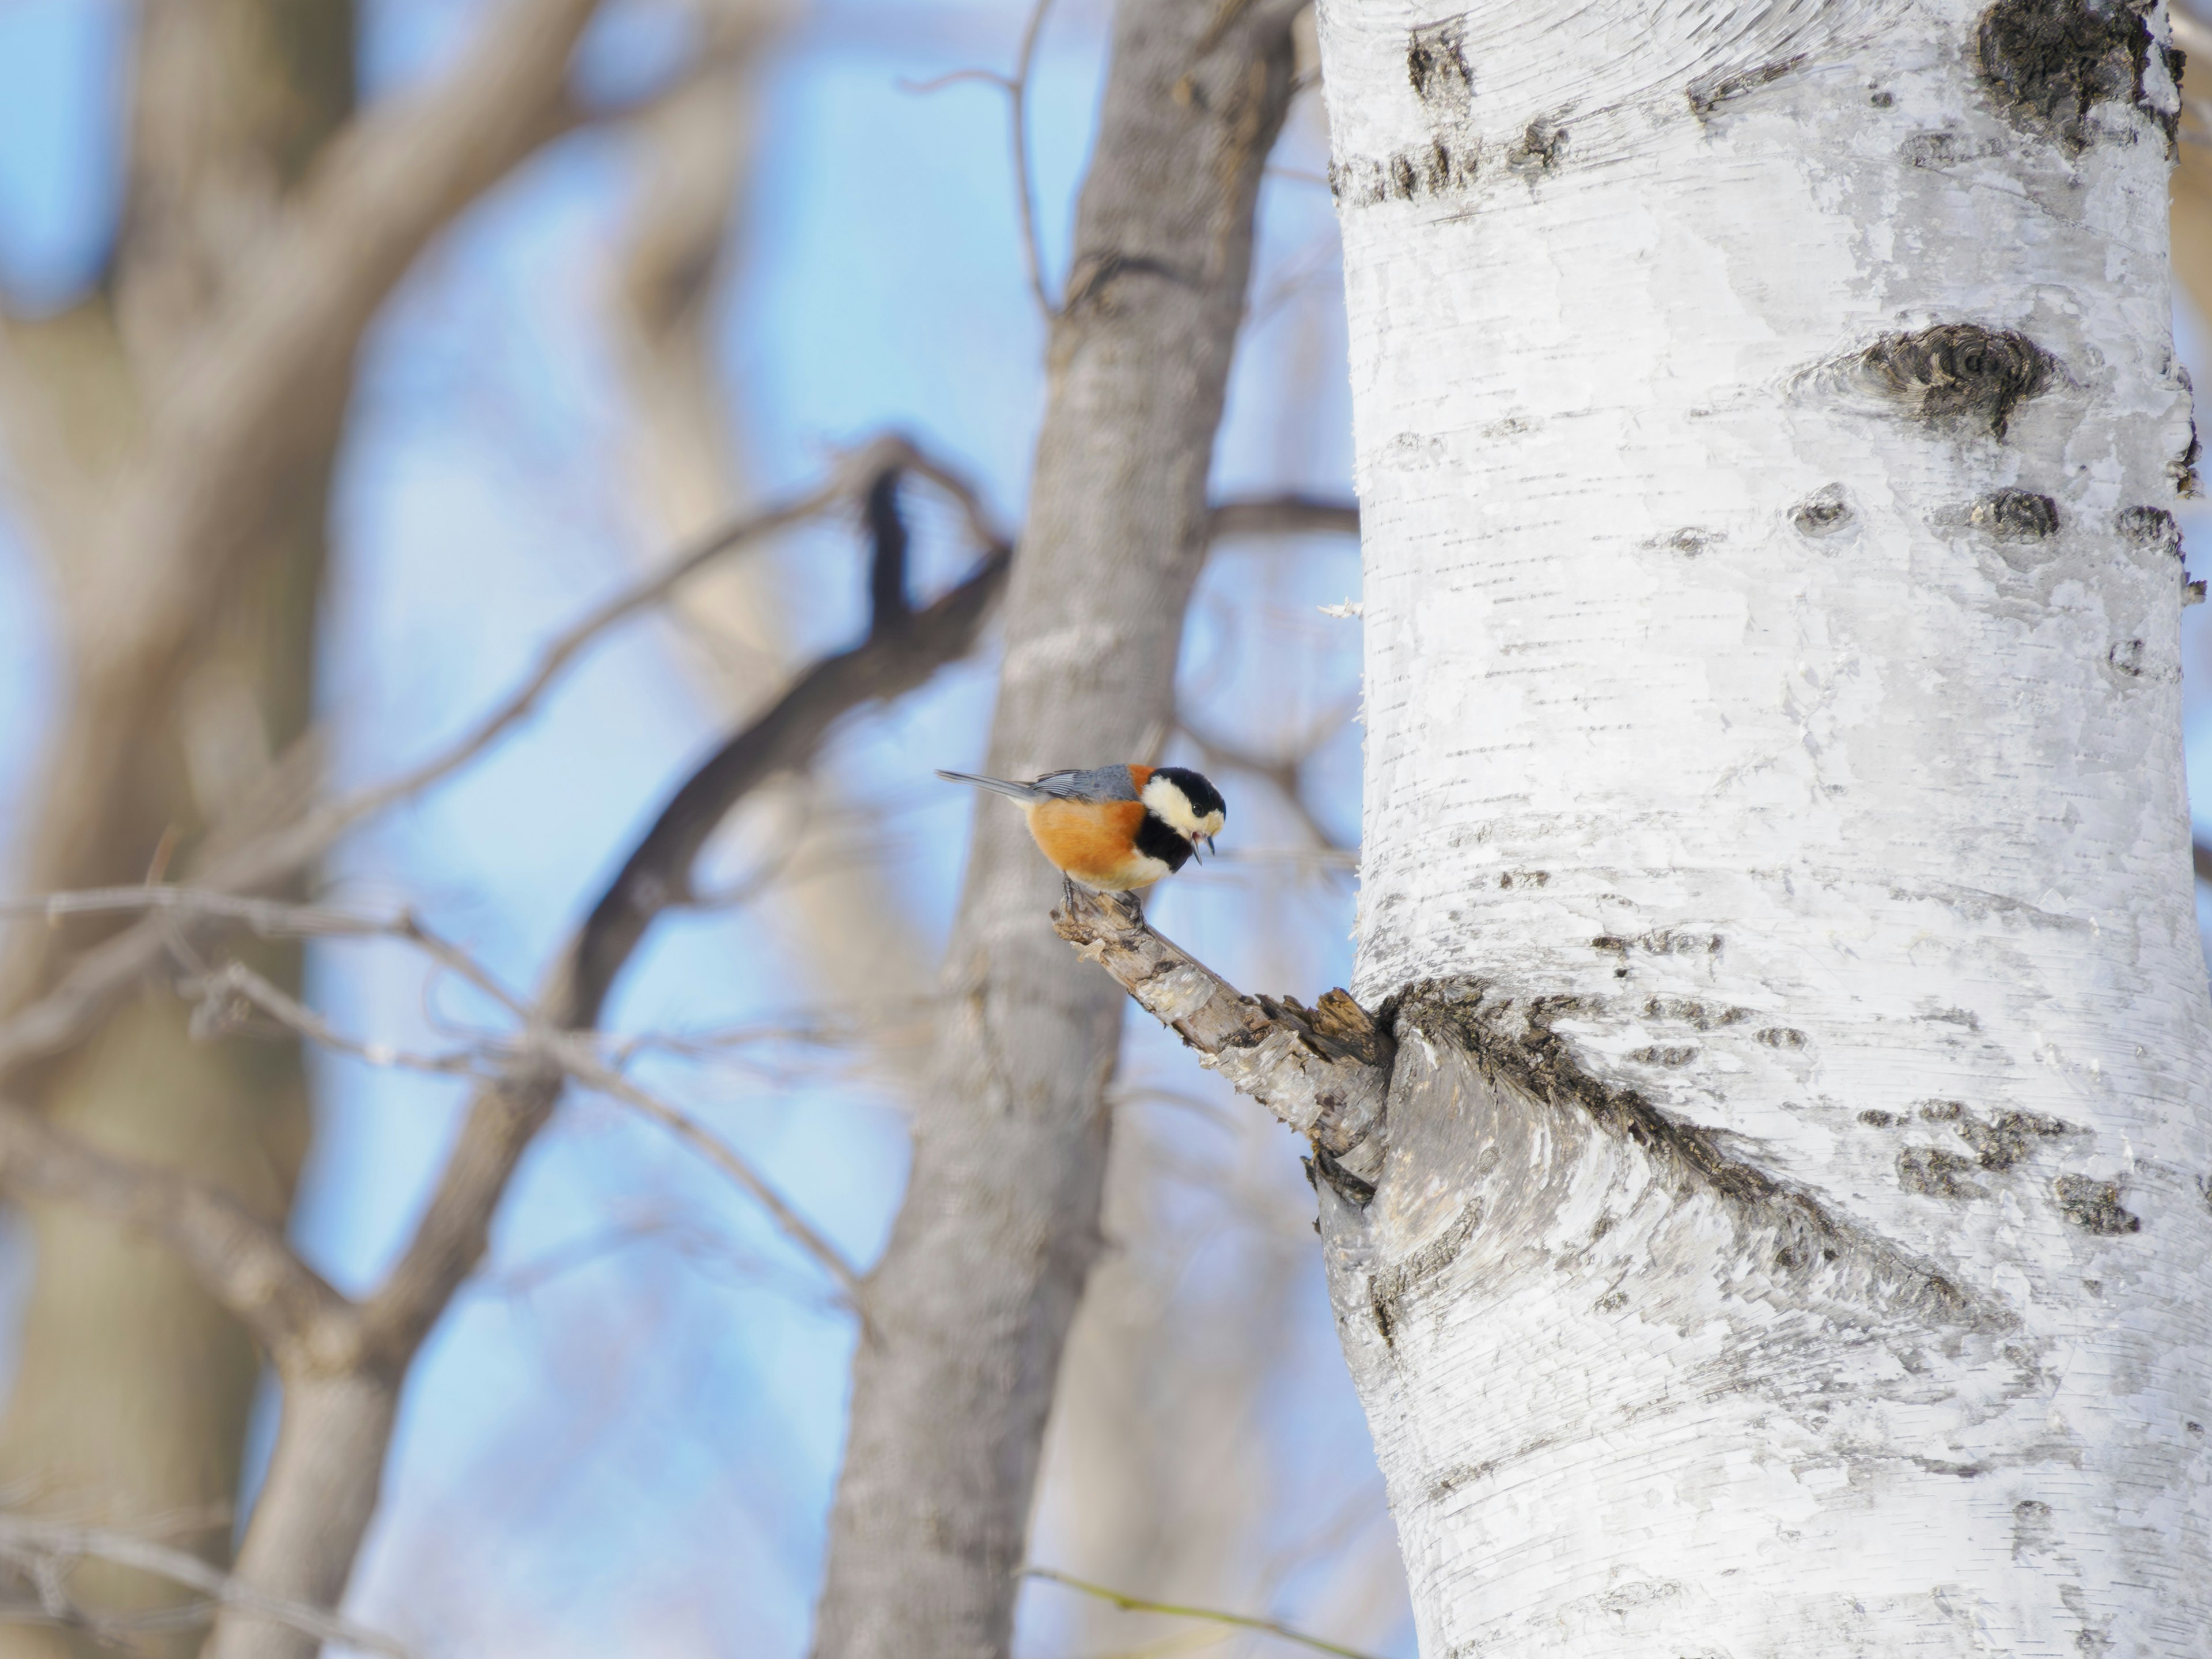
1791, 1234
134, 1388
969, 1308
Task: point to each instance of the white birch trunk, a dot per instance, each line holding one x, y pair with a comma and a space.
1794, 1232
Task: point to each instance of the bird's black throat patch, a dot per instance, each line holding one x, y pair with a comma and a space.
1157, 838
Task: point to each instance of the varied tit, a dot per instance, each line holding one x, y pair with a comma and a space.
1115, 828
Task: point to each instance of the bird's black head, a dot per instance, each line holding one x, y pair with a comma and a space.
1186, 802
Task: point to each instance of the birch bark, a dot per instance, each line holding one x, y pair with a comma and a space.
969, 1308
1791, 1234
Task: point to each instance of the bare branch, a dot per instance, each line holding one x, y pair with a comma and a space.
576, 1057
2201, 855
94, 984
902, 651
1212, 1615
1018, 91
1324, 1071
235, 982
39, 1544
1284, 515
1285, 770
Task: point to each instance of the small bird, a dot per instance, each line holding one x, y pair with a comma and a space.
1115, 828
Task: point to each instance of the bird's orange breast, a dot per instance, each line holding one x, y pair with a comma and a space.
1095, 841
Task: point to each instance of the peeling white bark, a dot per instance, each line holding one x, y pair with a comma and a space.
1792, 1234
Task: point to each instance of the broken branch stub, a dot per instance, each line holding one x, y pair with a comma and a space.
1325, 1070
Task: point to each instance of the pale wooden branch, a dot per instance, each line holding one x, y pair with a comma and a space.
1324, 1071
40, 1544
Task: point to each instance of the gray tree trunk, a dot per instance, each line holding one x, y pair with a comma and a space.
969, 1309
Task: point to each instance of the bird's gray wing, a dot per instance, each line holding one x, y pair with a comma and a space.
1099, 783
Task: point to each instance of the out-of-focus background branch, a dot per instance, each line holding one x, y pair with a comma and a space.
365, 365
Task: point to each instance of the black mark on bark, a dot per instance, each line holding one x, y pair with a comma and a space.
2032, 1531
1436, 62
1937, 1173
1824, 513
1436, 169
1875, 1117
1689, 541
1956, 372
1654, 1054
1782, 1037
1942, 1111
1525, 879
2126, 658
2050, 62
2093, 1206
1709, 92
2150, 527
2003, 1139
2016, 515
2183, 468
1539, 147
1706, 1017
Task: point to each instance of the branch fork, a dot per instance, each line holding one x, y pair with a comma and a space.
1325, 1070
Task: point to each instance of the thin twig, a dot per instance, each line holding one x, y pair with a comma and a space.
1018, 95
236, 981
1214, 1615
953, 78
33, 1541
574, 1057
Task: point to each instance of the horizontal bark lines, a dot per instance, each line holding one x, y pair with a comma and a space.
1766, 452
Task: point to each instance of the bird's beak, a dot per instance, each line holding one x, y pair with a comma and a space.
1194, 858
1209, 844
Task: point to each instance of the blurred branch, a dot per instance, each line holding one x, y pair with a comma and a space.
1212, 1615
1284, 515
258, 386
244, 1263
292, 1543
1018, 98
1285, 770
732, 34
1324, 1071
1016, 88
2201, 855
234, 983
47, 1549
102, 977
41, 472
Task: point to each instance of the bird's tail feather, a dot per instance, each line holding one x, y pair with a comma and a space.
996, 786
